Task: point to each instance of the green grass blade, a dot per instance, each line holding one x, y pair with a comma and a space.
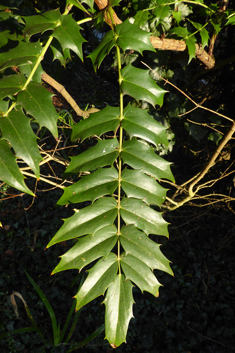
71, 311
75, 320
48, 306
87, 340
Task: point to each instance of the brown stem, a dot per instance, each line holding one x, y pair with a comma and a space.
48, 79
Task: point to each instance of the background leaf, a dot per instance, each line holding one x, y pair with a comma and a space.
69, 36
16, 129
37, 102
9, 170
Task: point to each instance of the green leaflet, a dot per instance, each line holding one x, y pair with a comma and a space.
127, 36
102, 154
69, 36
58, 53
87, 220
140, 274
191, 47
16, 129
140, 156
137, 122
88, 249
90, 187
137, 244
138, 185
118, 310
9, 85
97, 124
23, 54
34, 99
9, 170
138, 84
42, 22
143, 217
99, 279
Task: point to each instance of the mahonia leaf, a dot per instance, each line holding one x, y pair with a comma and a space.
9, 85
102, 154
138, 185
141, 156
87, 220
231, 20
143, 217
88, 248
140, 274
100, 277
16, 129
136, 243
190, 42
203, 33
42, 22
27, 69
37, 102
9, 170
137, 122
126, 36
79, 5
58, 53
97, 123
3, 107
179, 31
24, 53
69, 36
138, 84
90, 187
118, 310
130, 36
